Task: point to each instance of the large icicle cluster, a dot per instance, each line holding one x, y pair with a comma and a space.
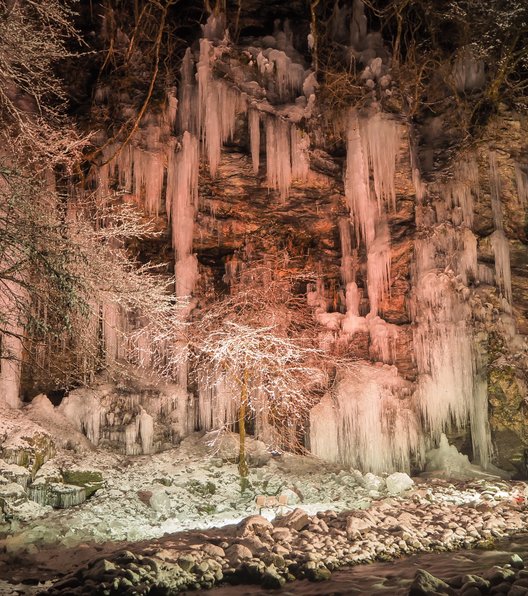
366, 423
372, 145
134, 421
451, 387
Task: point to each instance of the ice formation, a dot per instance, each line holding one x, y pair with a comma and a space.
348, 259
499, 242
217, 403
186, 116
367, 425
451, 385
378, 267
300, 144
254, 135
462, 190
182, 201
521, 177
278, 155
323, 427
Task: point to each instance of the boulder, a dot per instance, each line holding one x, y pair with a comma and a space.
425, 584
398, 483
296, 520
237, 553
253, 525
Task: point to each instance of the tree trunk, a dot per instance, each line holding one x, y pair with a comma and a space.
242, 462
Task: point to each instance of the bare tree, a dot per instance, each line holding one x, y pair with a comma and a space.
262, 342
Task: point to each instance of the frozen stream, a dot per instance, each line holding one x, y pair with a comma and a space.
392, 577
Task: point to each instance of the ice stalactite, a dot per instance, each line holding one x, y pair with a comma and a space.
84, 410
357, 183
217, 404
112, 326
378, 267
442, 346
215, 27
218, 106
358, 25
186, 117
182, 198
468, 72
451, 386
11, 349
323, 425
383, 339
348, 258
145, 423
367, 403
353, 323
278, 155
254, 135
300, 143
499, 241
382, 137
462, 190
372, 143
149, 170
280, 73
521, 178
501, 250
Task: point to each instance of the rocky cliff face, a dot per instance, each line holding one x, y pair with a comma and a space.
415, 269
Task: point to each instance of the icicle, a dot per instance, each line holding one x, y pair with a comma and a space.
348, 260
84, 410
300, 143
111, 329
501, 250
495, 190
171, 109
254, 135
461, 190
382, 137
278, 157
521, 177
215, 27
182, 194
358, 25
217, 403
467, 260
468, 72
383, 338
149, 171
378, 267
289, 75
323, 424
499, 242
219, 120
11, 365
357, 191
187, 113
186, 273
203, 69
368, 405
131, 432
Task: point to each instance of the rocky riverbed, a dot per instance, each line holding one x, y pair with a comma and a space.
293, 546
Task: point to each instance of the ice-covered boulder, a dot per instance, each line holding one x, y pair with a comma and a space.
398, 483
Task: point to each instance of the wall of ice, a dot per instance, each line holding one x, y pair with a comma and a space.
373, 418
